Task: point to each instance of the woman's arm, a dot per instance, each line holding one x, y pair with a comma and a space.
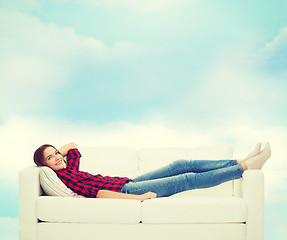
64, 150
118, 195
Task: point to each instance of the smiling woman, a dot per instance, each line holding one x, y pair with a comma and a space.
48, 155
179, 176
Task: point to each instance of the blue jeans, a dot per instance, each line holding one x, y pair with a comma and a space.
183, 175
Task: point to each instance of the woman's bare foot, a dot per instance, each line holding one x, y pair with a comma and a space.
244, 166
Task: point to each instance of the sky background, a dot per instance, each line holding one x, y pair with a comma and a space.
164, 73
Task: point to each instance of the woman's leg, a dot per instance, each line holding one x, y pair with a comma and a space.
197, 166
185, 166
167, 186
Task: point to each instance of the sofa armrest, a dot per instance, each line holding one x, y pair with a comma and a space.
253, 194
29, 191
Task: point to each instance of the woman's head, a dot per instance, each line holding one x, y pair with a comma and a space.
48, 155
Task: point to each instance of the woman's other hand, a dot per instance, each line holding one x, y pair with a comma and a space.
147, 195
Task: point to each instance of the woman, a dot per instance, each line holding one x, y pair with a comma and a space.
179, 176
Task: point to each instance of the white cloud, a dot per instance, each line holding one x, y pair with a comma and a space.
278, 41
9, 228
274, 55
20, 4
37, 57
144, 7
24, 35
233, 88
28, 69
45, 50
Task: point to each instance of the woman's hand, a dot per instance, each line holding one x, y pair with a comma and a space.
147, 195
64, 150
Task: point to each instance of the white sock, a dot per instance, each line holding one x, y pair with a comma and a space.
254, 152
258, 161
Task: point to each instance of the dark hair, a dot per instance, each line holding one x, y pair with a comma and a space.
38, 154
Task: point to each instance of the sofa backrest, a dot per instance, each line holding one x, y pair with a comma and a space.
109, 161
130, 162
152, 158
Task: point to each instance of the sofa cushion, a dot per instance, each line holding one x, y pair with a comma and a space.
52, 185
88, 210
194, 210
159, 210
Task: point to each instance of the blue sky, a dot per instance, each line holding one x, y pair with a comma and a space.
153, 73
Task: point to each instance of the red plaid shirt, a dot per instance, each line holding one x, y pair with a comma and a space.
84, 183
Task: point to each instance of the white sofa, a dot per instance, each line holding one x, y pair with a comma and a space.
232, 210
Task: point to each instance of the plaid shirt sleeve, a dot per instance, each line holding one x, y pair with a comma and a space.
73, 159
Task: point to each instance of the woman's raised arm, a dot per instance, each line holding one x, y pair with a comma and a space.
64, 150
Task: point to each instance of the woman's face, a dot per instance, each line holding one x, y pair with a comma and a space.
53, 159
